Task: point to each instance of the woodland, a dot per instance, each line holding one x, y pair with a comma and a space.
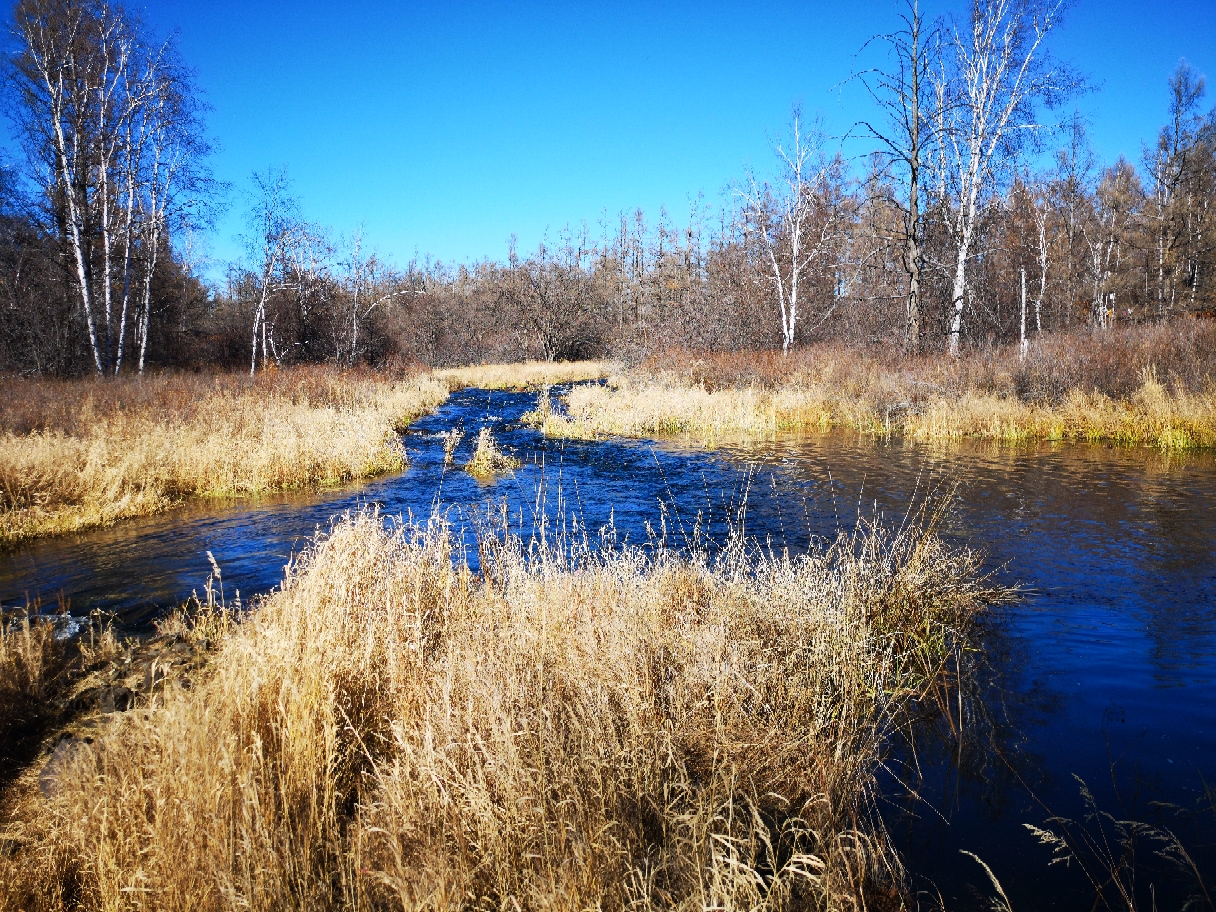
980, 217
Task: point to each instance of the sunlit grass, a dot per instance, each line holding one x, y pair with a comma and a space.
1120, 400
87, 453
29, 655
635, 728
488, 459
523, 375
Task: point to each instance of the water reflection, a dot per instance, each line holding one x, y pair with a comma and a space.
1106, 664
1104, 671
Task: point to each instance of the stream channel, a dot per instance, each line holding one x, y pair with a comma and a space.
1104, 670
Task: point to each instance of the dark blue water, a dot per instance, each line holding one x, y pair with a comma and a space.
1105, 670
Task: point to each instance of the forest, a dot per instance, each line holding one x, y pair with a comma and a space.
981, 216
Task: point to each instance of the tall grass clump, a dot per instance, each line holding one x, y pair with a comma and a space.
627, 728
29, 655
488, 459
75, 454
32, 663
1136, 385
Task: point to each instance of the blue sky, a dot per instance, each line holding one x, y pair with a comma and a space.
445, 127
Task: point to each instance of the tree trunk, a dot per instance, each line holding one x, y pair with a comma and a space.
1022, 347
958, 295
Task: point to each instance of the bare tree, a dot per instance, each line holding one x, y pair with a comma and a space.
1171, 165
100, 111
555, 306
65, 73
794, 222
987, 96
905, 94
1040, 210
176, 190
1116, 205
273, 219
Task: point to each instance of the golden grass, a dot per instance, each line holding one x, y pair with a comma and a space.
631, 729
29, 655
488, 459
86, 453
525, 375
869, 399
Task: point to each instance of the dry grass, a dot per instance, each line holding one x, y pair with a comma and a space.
29, 656
488, 459
32, 665
630, 729
526, 375
1149, 386
75, 454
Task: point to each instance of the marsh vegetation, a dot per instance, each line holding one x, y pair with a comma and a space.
565, 728
1148, 385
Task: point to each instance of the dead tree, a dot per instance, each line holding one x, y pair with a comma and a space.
904, 93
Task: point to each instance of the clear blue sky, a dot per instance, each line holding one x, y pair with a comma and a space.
445, 127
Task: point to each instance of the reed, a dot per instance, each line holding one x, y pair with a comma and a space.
84, 453
569, 729
525, 375
1150, 386
29, 656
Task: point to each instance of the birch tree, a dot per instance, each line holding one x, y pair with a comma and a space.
794, 221
1115, 206
1040, 211
1172, 165
176, 192
64, 69
100, 111
369, 285
1070, 190
273, 218
987, 95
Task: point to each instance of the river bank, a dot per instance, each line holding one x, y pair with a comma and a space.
87, 453
556, 731
1151, 386
80, 454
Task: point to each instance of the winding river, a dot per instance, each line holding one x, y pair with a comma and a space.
1103, 673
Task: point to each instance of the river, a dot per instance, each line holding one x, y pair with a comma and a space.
1105, 669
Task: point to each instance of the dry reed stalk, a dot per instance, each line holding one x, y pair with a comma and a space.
614, 730
526, 375
109, 457
451, 439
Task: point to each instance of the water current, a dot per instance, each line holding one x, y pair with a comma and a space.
1104, 671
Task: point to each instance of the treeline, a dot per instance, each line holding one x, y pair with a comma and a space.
951, 234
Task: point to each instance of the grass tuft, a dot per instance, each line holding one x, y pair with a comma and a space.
488, 459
